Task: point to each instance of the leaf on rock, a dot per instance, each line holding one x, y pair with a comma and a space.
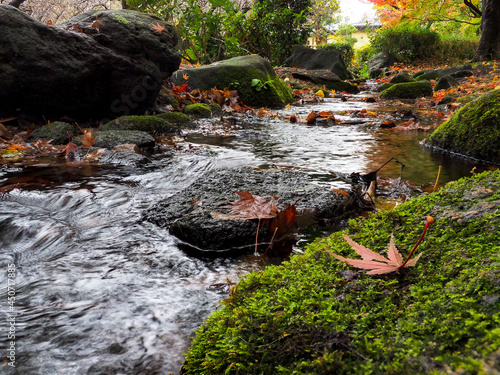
88, 140
252, 207
158, 28
311, 119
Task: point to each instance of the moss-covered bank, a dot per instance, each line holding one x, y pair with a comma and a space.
474, 130
316, 315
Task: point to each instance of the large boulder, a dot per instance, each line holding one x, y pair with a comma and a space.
193, 215
54, 72
326, 78
378, 62
473, 131
253, 77
318, 59
131, 34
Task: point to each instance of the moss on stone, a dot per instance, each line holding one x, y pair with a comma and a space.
149, 124
120, 18
200, 110
401, 78
178, 118
317, 315
474, 130
409, 90
112, 138
216, 109
56, 131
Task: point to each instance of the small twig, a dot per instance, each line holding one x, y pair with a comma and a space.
430, 219
256, 238
437, 180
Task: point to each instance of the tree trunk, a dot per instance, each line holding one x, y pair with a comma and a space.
489, 44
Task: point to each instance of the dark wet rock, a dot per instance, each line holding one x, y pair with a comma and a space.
188, 213
446, 82
56, 131
253, 77
52, 72
198, 110
378, 62
409, 90
325, 78
130, 33
318, 59
474, 130
148, 124
456, 71
449, 98
112, 138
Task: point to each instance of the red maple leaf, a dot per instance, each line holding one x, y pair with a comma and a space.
376, 263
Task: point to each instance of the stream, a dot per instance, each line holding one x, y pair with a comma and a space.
99, 291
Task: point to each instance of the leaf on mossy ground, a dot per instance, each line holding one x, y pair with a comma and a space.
374, 262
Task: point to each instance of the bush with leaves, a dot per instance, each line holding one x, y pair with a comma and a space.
406, 43
219, 29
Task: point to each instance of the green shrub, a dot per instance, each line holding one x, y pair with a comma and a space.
406, 43
345, 49
457, 49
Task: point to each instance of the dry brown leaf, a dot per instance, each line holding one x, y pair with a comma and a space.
88, 140
252, 207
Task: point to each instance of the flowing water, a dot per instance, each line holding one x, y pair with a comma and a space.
98, 291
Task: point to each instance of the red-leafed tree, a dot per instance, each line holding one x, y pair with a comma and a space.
427, 13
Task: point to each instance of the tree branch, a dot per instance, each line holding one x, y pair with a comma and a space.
474, 9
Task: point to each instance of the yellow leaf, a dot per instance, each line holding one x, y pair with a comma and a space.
320, 93
495, 79
287, 106
185, 76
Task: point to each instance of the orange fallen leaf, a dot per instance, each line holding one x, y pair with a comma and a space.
158, 28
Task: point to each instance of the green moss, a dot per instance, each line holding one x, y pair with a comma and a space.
56, 131
149, 124
317, 315
178, 118
385, 86
216, 109
474, 130
428, 76
401, 78
120, 18
409, 90
200, 110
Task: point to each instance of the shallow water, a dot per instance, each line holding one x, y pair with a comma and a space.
98, 291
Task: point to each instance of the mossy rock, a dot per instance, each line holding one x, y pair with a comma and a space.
149, 124
446, 82
409, 90
111, 138
455, 71
474, 130
401, 78
256, 81
199, 110
216, 109
178, 118
56, 131
317, 315
385, 86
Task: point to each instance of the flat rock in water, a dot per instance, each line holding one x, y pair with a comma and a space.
190, 216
